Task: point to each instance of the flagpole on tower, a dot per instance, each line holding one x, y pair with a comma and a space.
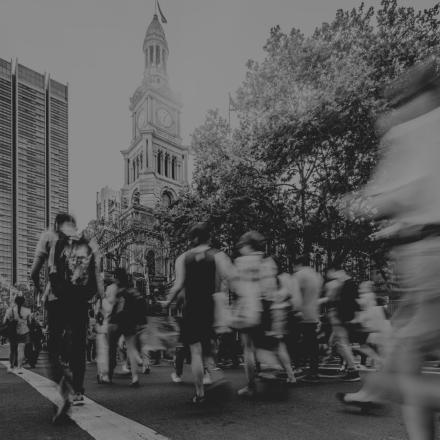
155, 7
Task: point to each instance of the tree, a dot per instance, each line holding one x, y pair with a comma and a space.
307, 135
309, 110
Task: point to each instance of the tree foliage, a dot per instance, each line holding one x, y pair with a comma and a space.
306, 136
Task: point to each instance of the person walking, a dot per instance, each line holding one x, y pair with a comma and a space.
405, 191
74, 280
256, 286
343, 308
310, 286
19, 318
201, 272
128, 317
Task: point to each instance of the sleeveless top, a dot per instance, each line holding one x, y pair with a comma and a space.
200, 283
22, 321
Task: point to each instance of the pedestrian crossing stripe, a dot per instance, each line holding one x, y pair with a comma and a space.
98, 421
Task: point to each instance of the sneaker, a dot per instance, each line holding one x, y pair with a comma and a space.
61, 409
134, 384
198, 400
247, 392
175, 378
207, 379
311, 378
63, 404
78, 399
351, 376
125, 369
9, 370
19, 370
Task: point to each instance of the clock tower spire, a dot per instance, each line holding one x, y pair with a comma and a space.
155, 161
156, 52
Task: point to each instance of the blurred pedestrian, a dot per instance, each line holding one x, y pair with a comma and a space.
200, 272
19, 318
405, 191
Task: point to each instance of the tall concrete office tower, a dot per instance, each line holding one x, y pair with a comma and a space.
33, 163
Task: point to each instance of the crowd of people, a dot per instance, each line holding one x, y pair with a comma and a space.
278, 316
246, 311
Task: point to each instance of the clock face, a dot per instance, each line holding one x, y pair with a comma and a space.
142, 119
164, 118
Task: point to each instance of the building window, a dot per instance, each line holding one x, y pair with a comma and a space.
151, 54
167, 162
136, 198
159, 162
151, 263
157, 55
173, 168
167, 199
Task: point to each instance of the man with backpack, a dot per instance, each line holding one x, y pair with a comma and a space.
74, 279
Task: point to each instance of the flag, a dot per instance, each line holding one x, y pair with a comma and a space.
162, 17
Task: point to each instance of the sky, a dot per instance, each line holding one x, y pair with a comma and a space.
96, 46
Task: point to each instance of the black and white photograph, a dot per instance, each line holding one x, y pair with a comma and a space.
219, 219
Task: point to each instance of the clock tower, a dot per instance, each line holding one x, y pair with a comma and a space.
155, 162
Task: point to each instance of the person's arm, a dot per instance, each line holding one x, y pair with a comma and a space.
41, 255
179, 282
226, 271
295, 293
7, 316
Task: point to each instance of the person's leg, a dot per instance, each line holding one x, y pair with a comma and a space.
55, 321
197, 368
311, 346
113, 340
343, 345
133, 356
20, 355
78, 326
13, 356
180, 359
284, 359
249, 359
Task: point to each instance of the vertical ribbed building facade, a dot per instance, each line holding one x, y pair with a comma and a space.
34, 163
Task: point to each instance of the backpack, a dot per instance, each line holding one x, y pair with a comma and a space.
347, 304
72, 268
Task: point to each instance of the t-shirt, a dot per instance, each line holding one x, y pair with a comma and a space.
310, 286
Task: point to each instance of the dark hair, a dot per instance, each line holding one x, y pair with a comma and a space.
199, 233
19, 300
63, 217
253, 239
121, 277
302, 260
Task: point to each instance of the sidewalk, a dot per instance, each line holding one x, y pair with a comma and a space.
4, 352
26, 415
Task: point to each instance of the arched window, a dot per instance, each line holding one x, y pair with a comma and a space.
159, 162
151, 54
134, 171
167, 163
157, 55
167, 199
136, 198
141, 160
163, 58
173, 168
151, 263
